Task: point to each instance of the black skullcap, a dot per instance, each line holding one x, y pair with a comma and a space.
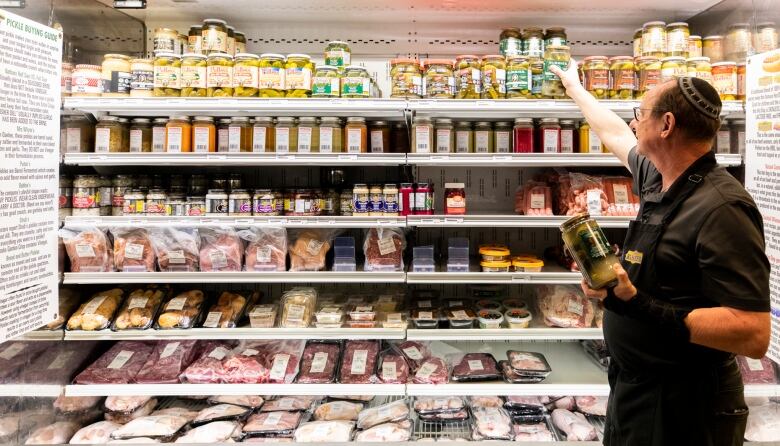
691, 88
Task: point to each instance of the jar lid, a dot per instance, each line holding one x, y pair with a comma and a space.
429, 62
198, 26
180, 118
247, 56
285, 119
298, 56
337, 42
326, 67
378, 123
141, 61
454, 186
444, 121
165, 54
567, 122
558, 29
737, 121
193, 56
109, 119
238, 191
356, 119
490, 315
217, 192
330, 119
592, 58
224, 121
124, 120
240, 33
218, 55
579, 218
355, 67
503, 124
549, 121
621, 58
492, 56
307, 119
646, 59
673, 59
231, 28
493, 250
116, 56
422, 119
495, 264
677, 24
88, 67
465, 124
215, 21
165, 30
391, 186
694, 37
263, 119
766, 25
532, 29
203, 118
697, 59
141, 121
724, 64
403, 61
466, 56
160, 120
656, 23
527, 263
483, 124
518, 315
713, 38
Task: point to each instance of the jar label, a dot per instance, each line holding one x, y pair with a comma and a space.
549, 76
258, 139
537, 79
240, 206
725, 82
195, 44
676, 42
422, 138
469, 77
298, 78
533, 47
234, 139
648, 79
694, 48
510, 46
118, 83
360, 202
246, 76
494, 78
723, 141
87, 82
222, 140
443, 143
406, 84
567, 141
537, 201
438, 85
623, 79
354, 141
304, 139
325, 87
136, 140
462, 140
594, 142
231, 46
265, 205
219, 76
338, 57
282, 140
85, 197
638, 47
193, 77
356, 86
596, 79
326, 140
653, 41
158, 139
271, 78
741, 76
174, 140
73, 140
595, 243
155, 207
551, 141
502, 142
102, 140
518, 80
705, 76
105, 196
214, 40
164, 44
376, 203
167, 77
376, 142
482, 142
202, 139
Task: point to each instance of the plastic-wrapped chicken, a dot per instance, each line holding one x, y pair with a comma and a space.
162, 427
394, 432
123, 409
96, 433
324, 432
391, 412
211, 433
56, 433
338, 411
574, 425
491, 423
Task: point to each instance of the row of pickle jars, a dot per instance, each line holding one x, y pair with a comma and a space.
179, 134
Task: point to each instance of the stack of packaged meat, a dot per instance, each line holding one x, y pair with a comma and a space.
388, 422
525, 367
278, 418
757, 371
491, 423
119, 365
564, 306
89, 250
441, 409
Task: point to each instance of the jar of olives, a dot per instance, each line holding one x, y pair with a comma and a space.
700, 67
338, 54
405, 79
167, 74
355, 83
559, 56
648, 74
326, 82
493, 77
518, 77
555, 36
621, 78
672, 68
246, 77
724, 79
439, 79
533, 42
595, 72
511, 42
193, 75
677, 39
297, 75
537, 78
219, 75
468, 77
271, 75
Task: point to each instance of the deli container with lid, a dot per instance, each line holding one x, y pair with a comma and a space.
495, 266
490, 318
518, 318
425, 318
494, 253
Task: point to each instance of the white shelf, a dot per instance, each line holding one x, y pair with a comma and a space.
233, 389
143, 221
762, 390
235, 277
238, 333
550, 278
504, 334
42, 335
234, 159
505, 221
378, 108
533, 159
30, 390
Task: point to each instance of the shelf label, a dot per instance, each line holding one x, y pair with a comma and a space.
29, 173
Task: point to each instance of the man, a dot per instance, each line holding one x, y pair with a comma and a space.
693, 284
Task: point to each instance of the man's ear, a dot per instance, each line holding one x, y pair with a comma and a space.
669, 125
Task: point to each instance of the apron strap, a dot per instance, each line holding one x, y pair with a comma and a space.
694, 179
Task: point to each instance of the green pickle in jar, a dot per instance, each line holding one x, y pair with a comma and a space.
246, 75
468, 77
219, 75
511, 42
518, 77
405, 79
537, 78
493, 77
555, 36
193, 75
338, 54
590, 249
595, 73
355, 83
439, 80
298, 73
700, 67
557, 55
271, 76
622, 78
326, 82
167, 74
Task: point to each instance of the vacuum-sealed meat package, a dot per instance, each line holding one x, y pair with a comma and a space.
476, 367
757, 371
393, 368
57, 364
564, 306
89, 250
491, 423
182, 311
384, 249
392, 432
432, 371
531, 432
140, 308
96, 433
586, 194
177, 249
415, 352
119, 365
324, 432
530, 363
386, 413
272, 423
485, 401
75, 404
245, 365
592, 405
574, 425
208, 369
221, 412
220, 250
177, 411
426, 405
123, 409
513, 377
167, 362
133, 251
358, 365
318, 363
212, 433
226, 312
288, 403
161, 427
763, 424
250, 401
338, 411
308, 249
97, 312
266, 249
59, 432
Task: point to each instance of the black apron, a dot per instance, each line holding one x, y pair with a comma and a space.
665, 392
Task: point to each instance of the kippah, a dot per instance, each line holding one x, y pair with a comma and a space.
695, 98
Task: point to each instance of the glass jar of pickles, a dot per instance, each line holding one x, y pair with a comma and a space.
694, 46
533, 42
298, 71
559, 56
195, 39
214, 36
587, 244
738, 42
648, 75
712, 47
638, 42
240, 42
167, 74
595, 73
338, 54
766, 37
193, 75
355, 83
271, 76
231, 41
405, 79
677, 34
511, 42
246, 75
555, 36
438, 79
621, 78
672, 68
326, 82
700, 67
219, 75
518, 77
724, 79
537, 78
468, 77
493, 77
654, 39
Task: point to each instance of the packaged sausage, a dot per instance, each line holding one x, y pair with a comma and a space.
476, 367
308, 249
97, 312
384, 249
89, 250
319, 361
182, 311
220, 250
119, 365
534, 198
620, 197
133, 251
140, 308
298, 307
226, 312
586, 194
358, 364
177, 249
266, 249
166, 363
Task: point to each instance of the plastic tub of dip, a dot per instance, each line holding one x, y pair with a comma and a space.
490, 318
494, 253
501, 266
524, 265
518, 318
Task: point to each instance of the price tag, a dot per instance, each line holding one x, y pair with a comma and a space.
250, 352
219, 353
537, 201
120, 359
13, 350
359, 359
85, 251
60, 361
279, 367
212, 320
594, 202
318, 362
413, 353
218, 259
322, 430
176, 304
426, 370
176, 257
264, 254
424, 304
455, 303
314, 247
394, 317
169, 349
295, 313
621, 194
575, 306
386, 246
754, 364
425, 315
460, 315
137, 302
388, 371
476, 365
94, 304
273, 419
134, 251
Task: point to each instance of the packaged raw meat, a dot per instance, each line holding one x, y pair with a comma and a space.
395, 432
476, 402
533, 432
598, 352
415, 352
763, 423
182, 311
358, 364
226, 312
245, 365
208, 369
592, 405
298, 305
282, 360
263, 315
358, 398
96, 433
272, 423
167, 362
266, 249
123, 409
491, 423
97, 312
56, 433
338, 411
57, 364
393, 368
620, 197
476, 367
528, 363
308, 248
69, 301
177, 249
16, 356
160, 427
289, 403
89, 250
250, 401
446, 417
585, 194
564, 306
757, 371
391, 412
574, 425
511, 376
177, 411
221, 412
211, 433
425, 405
432, 371
74, 404
566, 402
318, 363
384, 249
119, 365
133, 251
140, 308
220, 249
324, 432
535, 198
515, 402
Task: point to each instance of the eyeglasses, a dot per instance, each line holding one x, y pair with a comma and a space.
638, 110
